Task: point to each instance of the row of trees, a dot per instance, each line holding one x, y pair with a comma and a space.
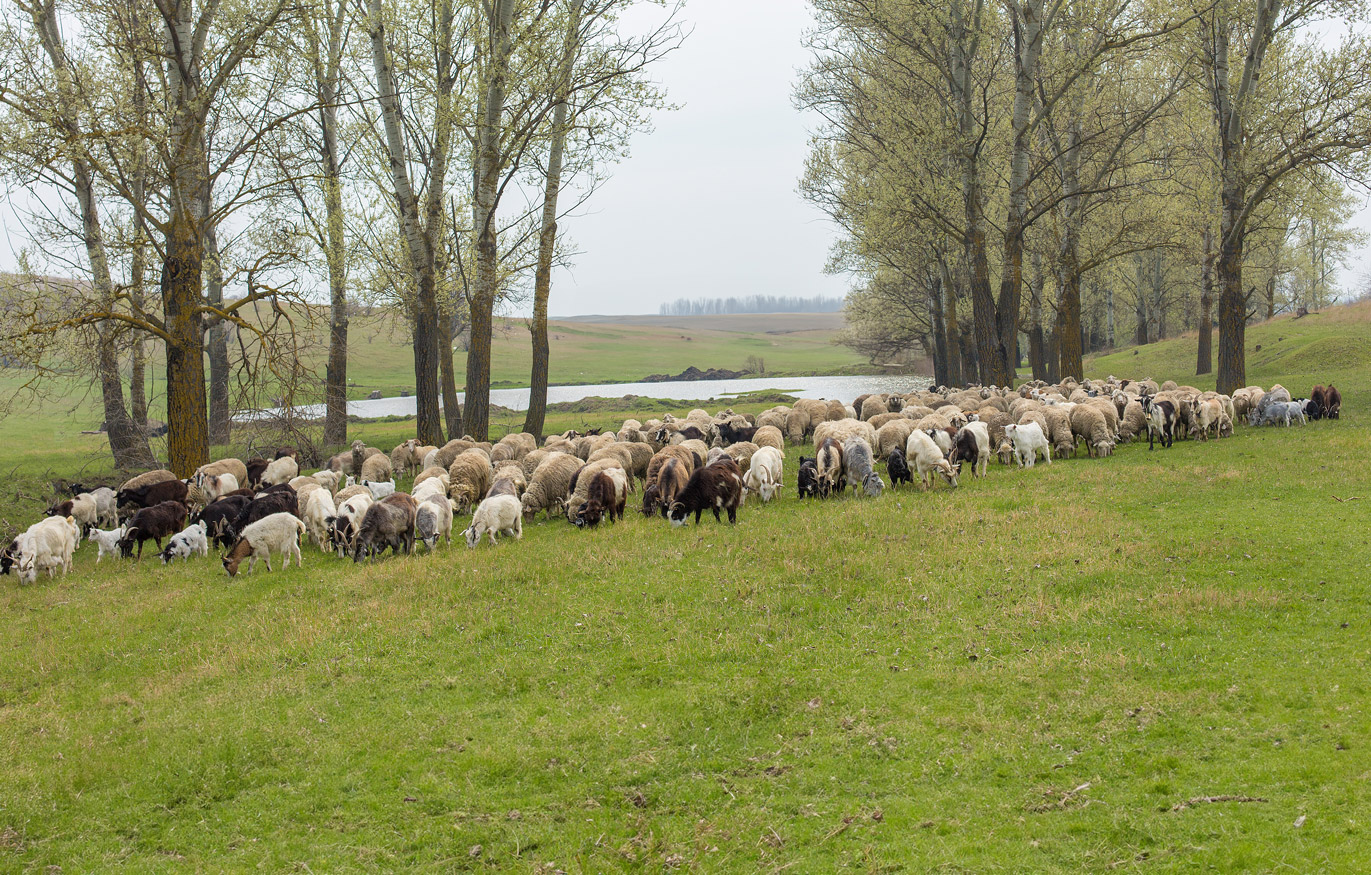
208, 167
1072, 171
750, 304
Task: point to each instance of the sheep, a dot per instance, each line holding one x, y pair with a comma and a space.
193, 539
897, 468
714, 487
279, 532
402, 458
893, 435
842, 429
377, 469
509, 480
972, 444
607, 495
349, 491
1029, 440
380, 490
1089, 424
697, 447
278, 471
469, 477
344, 526
1132, 422
688, 459
513, 447
529, 463
107, 541
928, 458
330, 480
579, 490
1206, 416
432, 473
47, 545
550, 483
153, 524
433, 520
430, 487
219, 516
319, 509
159, 475
633, 462
222, 466
769, 436
741, 452
764, 473
499, 514
1059, 430
387, 523
304, 487
773, 418
829, 462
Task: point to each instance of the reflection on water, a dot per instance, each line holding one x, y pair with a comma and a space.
844, 389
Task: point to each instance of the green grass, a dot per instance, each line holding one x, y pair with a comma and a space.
1026, 674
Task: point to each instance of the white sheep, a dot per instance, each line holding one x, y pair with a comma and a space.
499, 513
189, 541
282, 470
330, 480
764, 473
1028, 440
427, 488
927, 458
108, 541
279, 532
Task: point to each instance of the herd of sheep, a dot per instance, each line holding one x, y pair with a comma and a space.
263, 507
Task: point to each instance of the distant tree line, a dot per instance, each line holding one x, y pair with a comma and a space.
750, 304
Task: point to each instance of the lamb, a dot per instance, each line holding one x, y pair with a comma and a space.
829, 462
499, 514
716, 487
219, 517
1028, 440
897, 468
769, 436
380, 490
928, 458
1089, 424
607, 495
388, 523
550, 483
670, 479
280, 471
859, 469
469, 478
433, 520
187, 542
47, 545
319, 509
279, 533
107, 542
972, 444
764, 473
153, 524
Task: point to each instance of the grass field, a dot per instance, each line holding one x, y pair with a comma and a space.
1151, 662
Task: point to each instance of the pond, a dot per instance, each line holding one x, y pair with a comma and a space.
845, 389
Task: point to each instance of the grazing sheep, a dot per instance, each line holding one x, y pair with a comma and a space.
377, 469
499, 514
402, 458
529, 463
389, 522
280, 471
319, 509
1028, 440
842, 429
1133, 421
1090, 425
279, 533
769, 436
513, 447
829, 461
550, 484
897, 468
433, 520
607, 495
741, 452
713, 487
509, 480
928, 458
469, 477
635, 463
764, 473
153, 524
893, 435
349, 491
688, 459
107, 542
1059, 430
859, 468
186, 543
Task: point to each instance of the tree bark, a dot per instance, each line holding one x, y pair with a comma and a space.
955, 371
547, 237
489, 164
452, 408
220, 421
328, 75
1204, 358
939, 340
188, 427
1035, 321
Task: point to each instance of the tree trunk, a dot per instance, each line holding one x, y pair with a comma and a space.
939, 338
138, 381
1035, 321
489, 164
1232, 373
452, 408
1069, 313
216, 339
547, 238
336, 374
1204, 359
188, 427
955, 372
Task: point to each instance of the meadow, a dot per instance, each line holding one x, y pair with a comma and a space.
1151, 662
